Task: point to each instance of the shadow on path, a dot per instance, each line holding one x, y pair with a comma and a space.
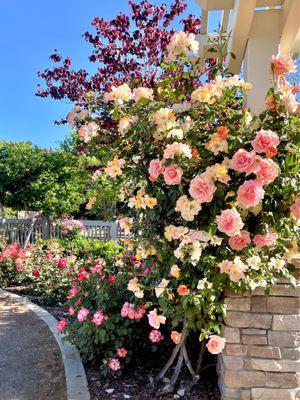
31, 367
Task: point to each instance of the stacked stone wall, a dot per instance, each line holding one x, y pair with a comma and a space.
261, 360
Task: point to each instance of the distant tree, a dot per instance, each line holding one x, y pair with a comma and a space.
129, 47
50, 181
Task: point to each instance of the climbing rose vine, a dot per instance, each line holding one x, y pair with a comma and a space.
210, 194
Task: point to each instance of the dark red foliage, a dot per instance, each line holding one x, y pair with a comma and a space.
126, 48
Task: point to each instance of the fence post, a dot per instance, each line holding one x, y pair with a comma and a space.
114, 231
45, 229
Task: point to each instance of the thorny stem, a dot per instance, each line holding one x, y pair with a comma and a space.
173, 357
170, 385
200, 358
169, 363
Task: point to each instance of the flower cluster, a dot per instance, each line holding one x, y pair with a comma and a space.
210, 194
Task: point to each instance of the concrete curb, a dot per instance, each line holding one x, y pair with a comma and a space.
77, 387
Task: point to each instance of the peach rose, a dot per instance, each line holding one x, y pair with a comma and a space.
230, 222
243, 161
216, 344
182, 290
250, 193
172, 174
265, 141
222, 132
176, 337
267, 171
295, 208
282, 64
155, 169
267, 239
155, 320
142, 93
240, 241
202, 189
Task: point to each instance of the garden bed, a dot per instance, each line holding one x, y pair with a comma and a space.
135, 382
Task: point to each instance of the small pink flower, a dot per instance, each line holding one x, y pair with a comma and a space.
230, 222
265, 141
73, 292
62, 264
122, 352
125, 309
98, 318
267, 171
36, 272
250, 193
156, 336
267, 239
140, 312
243, 161
202, 189
114, 364
111, 278
155, 169
62, 324
96, 269
71, 311
173, 174
282, 64
131, 311
82, 314
82, 274
295, 208
240, 241
216, 344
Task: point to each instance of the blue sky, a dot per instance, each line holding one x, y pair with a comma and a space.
29, 32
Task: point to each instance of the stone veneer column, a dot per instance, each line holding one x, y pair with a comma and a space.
261, 360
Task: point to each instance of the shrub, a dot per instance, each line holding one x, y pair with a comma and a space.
211, 191
12, 259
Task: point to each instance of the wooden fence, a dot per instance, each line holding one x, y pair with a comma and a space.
29, 230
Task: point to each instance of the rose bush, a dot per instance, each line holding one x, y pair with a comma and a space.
12, 258
209, 192
48, 267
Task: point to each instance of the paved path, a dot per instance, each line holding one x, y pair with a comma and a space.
30, 360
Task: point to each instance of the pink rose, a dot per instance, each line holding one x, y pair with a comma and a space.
155, 169
172, 174
71, 311
73, 292
267, 171
202, 189
156, 336
282, 64
114, 364
250, 193
244, 161
230, 222
122, 352
62, 324
125, 309
240, 241
265, 141
295, 208
82, 314
216, 344
98, 318
268, 239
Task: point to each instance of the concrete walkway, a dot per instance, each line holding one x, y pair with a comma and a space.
31, 366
